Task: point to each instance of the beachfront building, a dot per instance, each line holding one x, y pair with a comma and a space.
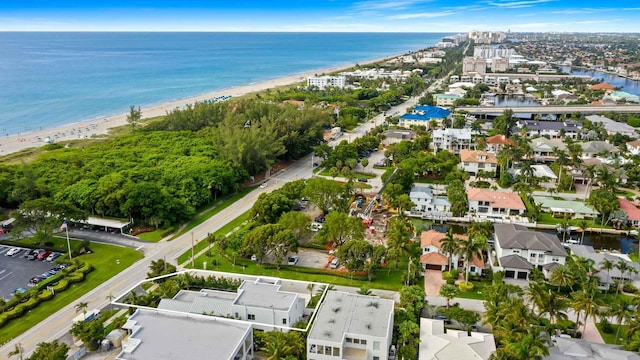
519, 250
613, 127
445, 99
423, 115
323, 82
438, 344
351, 326
607, 278
552, 129
633, 213
157, 334
474, 161
494, 144
488, 204
373, 74
560, 208
452, 140
428, 205
258, 301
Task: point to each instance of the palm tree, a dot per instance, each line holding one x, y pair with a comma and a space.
561, 160
529, 347
18, 350
448, 292
364, 290
468, 250
620, 310
276, 346
590, 173
583, 224
562, 276
623, 267
585, 300
450, 246
399, 236
310, 287
608, 265
554, 306
82, 307
537, 295
110, 298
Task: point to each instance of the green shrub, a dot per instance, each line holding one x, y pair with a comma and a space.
455, 274
466, 286
31, 303
446, 275
629, 288
167, 232
61, 286
606, 327
76, 277
45, 295
86, 268
451, 281
497, 277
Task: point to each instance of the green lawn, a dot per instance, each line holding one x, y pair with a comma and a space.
219, 206
153, 236
107, 260
611, 338
327, 172
477, 293
201, 245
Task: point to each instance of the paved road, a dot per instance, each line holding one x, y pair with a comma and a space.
567, 109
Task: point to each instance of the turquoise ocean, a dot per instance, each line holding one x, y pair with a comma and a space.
48, 79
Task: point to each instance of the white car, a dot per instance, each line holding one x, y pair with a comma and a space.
334, 263
264, 185
292, 260
13, 251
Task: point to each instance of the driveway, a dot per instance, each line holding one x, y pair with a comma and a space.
312, 258
432, 282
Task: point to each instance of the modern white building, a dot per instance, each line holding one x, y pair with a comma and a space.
258, 301
519, 250
445, 99
438, 344
351, 326
323, 82
453, 140
160, 335
489, 52
428, 205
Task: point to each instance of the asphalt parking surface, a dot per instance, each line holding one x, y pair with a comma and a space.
16, 271
312, 258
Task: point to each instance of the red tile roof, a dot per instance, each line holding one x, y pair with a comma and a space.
632, 211
433, 237
474, 156
500, 139
603, 86
434, 258
498, 199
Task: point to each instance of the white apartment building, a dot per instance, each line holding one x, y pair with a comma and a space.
452, 140
351, 326
445, 99
499, 64
474, 64
489, 52
323, 82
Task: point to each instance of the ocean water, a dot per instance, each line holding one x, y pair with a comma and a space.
49, 79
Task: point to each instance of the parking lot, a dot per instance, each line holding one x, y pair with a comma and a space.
312, 258
16, 271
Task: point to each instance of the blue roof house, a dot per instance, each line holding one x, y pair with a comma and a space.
421, 115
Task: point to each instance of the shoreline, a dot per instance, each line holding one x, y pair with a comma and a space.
88, 129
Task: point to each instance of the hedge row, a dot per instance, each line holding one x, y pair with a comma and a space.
39, 294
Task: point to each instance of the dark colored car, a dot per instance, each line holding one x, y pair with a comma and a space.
35, 280
319, 219
443, 318
34, 255
363, 180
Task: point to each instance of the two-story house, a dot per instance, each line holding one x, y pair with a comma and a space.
427, 203
552, 129
351, 326
474, 161
519, 250
544, 150
497, 142
634, 147
489, 204
452, 140
434, 258
592, 149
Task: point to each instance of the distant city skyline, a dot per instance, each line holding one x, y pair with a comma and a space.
320, 15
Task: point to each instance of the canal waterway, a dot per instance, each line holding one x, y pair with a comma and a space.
501, 100
630, 86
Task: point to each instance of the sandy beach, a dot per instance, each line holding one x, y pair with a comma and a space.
87, 129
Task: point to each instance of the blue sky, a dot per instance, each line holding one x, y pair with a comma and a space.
320, 15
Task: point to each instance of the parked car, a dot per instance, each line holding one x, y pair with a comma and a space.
18, 291
28, 253
264, 185
334, 263
443, 318
364, 180
35, 280
45, 275
55, 270
319, 219
292, 260
53, 256
254, 257
35, 253
13, 251
43, 255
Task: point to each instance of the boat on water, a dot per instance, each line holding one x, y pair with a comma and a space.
568, 230
570, 242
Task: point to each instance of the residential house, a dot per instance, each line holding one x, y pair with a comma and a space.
495, 143
429, 205
422, 115
634, 147
544, 149
489, 204
580, 175
438, 344
606, 278
633, 213
546, 177
445, 99
258, 301
563, 348
560, 208
622, 96
603, 86
592, 149
433, 258
351, 326
323, 82
519, 250
398, 135
473, 161
163, 335
552, 129
452, 140
613, 127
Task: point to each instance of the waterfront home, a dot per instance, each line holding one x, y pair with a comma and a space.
351, 326
445, 99
580, 175
560, 208
257, 301
546, 177
544, 149
593, 149
323, 82
438, 344
563, 348
613, 127
450, 139
422, 115
552, 129
429, 205
519, 250
495, 143
607, 278
473, 161
622, 96
633, 213
488, 204
433, 258
603, 86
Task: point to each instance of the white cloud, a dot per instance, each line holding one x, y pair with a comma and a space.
509, 4
386, 4
422, 15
